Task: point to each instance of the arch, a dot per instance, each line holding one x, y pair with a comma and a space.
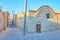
46, 9
38, 26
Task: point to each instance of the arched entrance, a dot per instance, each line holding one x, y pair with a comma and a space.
38, 26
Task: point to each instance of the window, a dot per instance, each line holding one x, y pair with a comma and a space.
0, 10
47, 15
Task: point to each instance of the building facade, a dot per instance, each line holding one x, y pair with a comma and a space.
14, 20
49, 20
6, 19
1, 19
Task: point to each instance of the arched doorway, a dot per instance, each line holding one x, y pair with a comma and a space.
38, 26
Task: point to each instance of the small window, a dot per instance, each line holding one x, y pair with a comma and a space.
0, 10
47, 15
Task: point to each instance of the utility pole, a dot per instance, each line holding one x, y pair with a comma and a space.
25, 11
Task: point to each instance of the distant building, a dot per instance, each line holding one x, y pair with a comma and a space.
10, 21
14, 19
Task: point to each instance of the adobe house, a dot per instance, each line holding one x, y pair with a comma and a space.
49, 20
6, 19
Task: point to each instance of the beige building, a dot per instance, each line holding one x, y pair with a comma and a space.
3, 19
20, 18
48, 19
6, 19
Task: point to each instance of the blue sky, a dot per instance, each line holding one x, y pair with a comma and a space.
18, 5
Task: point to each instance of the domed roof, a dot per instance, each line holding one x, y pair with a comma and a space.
46, 6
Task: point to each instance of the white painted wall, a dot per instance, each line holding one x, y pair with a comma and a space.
1, 20
46, 25
20, 23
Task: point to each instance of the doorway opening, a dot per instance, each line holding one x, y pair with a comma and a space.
38, 26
